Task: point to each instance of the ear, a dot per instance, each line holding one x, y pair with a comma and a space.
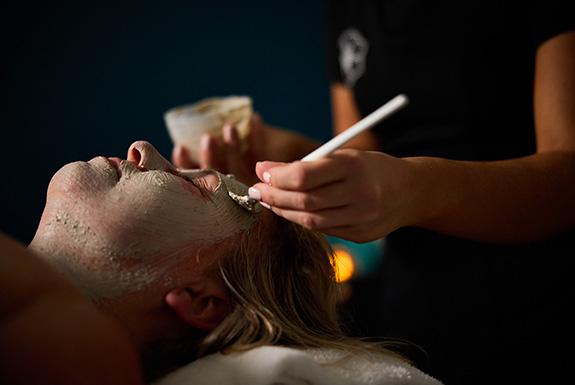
201, 306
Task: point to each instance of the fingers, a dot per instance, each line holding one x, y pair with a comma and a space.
330, 209
237, 161
225, 155
232, 153
263, 168
342, 222
301, 176
181, 158
209, 156
336, 217
327, 196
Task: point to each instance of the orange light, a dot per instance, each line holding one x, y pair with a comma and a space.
344, 266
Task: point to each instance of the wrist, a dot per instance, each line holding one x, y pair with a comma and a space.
428, 195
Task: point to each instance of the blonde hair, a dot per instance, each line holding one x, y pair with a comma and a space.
281, 280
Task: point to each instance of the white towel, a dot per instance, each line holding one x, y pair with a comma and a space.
274, 365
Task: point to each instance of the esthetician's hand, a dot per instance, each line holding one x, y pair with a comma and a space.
263, 142
355, 195
225, 154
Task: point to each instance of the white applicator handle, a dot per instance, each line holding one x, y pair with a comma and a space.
376, 116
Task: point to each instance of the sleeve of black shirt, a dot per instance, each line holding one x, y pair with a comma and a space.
335, 20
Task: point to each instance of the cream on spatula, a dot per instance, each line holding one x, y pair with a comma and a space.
339, 140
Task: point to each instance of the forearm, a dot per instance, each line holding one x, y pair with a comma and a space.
509, 201
289, 146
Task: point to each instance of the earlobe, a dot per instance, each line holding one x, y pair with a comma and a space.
201, 309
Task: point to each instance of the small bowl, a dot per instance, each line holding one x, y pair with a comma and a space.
186, 124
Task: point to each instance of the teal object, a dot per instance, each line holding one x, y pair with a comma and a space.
367, 257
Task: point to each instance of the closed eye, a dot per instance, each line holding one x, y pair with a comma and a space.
198, 183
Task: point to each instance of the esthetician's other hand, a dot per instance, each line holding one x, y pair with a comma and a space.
263, 142
225, 154
356, 195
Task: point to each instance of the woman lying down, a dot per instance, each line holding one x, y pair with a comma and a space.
209, 292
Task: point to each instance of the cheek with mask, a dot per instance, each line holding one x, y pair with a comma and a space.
112, 226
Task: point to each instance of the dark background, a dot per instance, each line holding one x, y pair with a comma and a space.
84, 80
81, 80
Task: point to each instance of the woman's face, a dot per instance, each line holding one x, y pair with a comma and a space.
109, 213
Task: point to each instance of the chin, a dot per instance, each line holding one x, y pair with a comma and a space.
69, 178
82, 179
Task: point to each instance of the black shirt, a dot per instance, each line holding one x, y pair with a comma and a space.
468, 68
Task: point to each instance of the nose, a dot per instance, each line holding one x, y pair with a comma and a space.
145, 155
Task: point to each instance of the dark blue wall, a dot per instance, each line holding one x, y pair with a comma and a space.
80, 81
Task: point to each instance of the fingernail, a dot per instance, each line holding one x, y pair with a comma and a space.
254, 193
267, 177
266, 205
205, 142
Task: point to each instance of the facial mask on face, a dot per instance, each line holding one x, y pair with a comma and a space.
119, 236
237, 191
